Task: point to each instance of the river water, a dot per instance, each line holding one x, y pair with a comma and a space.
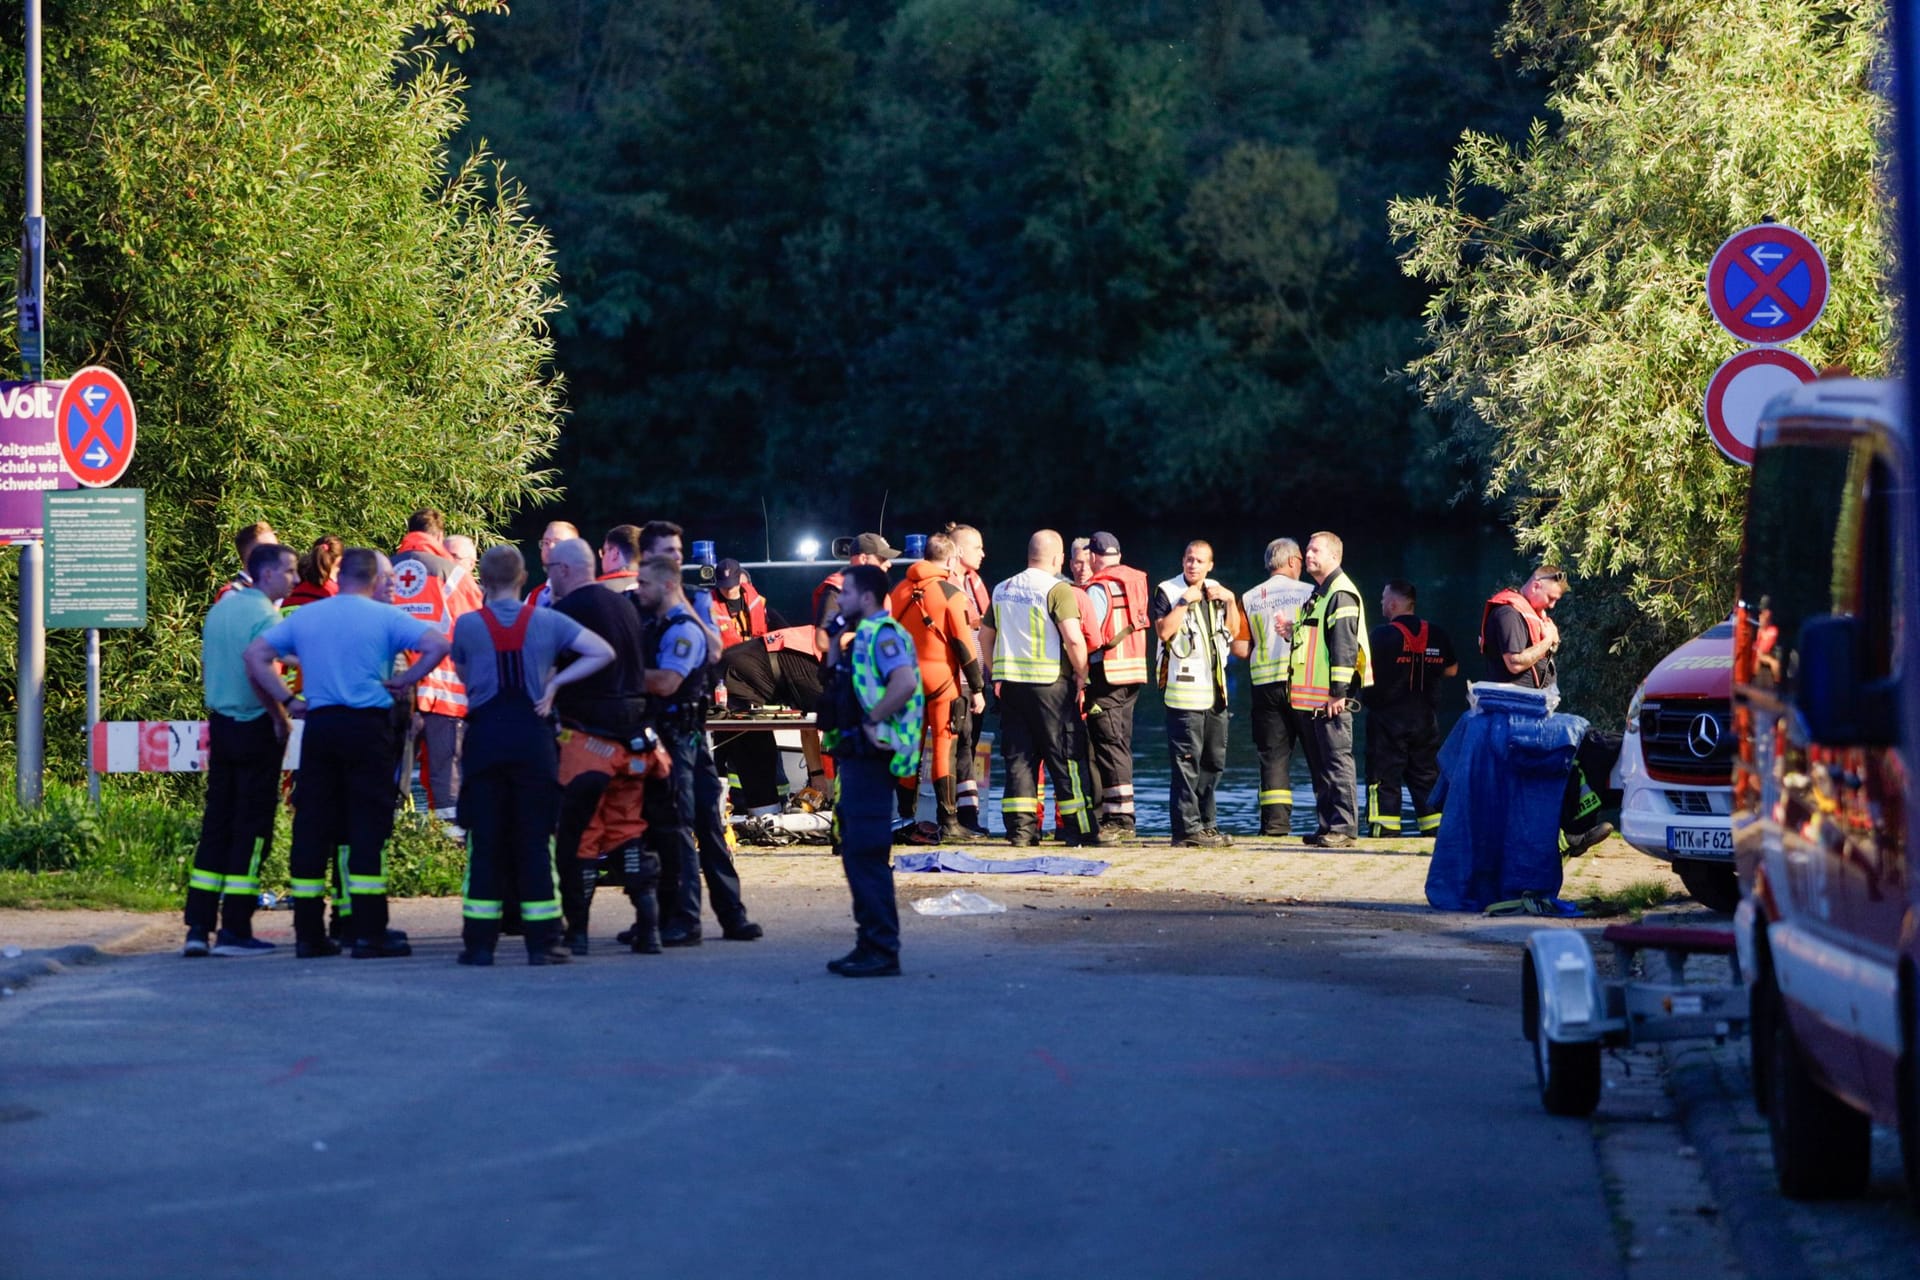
1455, 568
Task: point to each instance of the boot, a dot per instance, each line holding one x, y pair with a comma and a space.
1276, 820
1022, 830
588, 873
645, 937
945, 798
310, 930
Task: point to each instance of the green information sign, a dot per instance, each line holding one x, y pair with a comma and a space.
96, 558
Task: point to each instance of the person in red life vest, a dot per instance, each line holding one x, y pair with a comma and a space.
1411, 656
1118, 598
969, 715
934, 613
739, 611
554, 534
1520, 641
620, 553
319, 574
868, 548
426, 579
244, 541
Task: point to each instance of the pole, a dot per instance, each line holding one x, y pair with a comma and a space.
31, 672
93, 710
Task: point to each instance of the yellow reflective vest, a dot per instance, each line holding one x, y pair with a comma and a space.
1314, 674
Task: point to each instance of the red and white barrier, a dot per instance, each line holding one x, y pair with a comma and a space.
162, 746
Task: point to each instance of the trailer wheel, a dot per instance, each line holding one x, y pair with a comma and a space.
1714, 885
1568, 1073
1822, 1148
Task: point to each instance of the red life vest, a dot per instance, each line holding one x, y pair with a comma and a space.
730, 633
1536, 629
832, 582
799, 639
1122, 638
979, 599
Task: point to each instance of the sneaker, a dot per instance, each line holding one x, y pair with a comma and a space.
315, 950
1336, 840
1318, 839
226, 944
1579, 844
390, 946
744, 931
1220, 839
196, 945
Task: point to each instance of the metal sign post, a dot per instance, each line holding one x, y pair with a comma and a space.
29, 296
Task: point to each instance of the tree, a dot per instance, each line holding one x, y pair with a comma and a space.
325, 321
1570, 340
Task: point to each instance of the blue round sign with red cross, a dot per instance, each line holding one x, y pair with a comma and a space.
94, 426
1767, 284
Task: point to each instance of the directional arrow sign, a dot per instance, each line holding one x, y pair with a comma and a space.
94, 427
1739, 392
1767, 284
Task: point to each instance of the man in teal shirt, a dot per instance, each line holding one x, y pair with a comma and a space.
244, 746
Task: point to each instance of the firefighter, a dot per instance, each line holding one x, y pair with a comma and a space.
346, 646
1200, 626
1410, 657
1037, 662
1328, 666
1117, 629
934, 613
1278, 731
505, 652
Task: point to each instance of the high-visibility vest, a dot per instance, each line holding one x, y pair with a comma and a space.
1026, 641
1193, 664
1536, 628
730, 633
900, 732
1119, 643
1270, 660
419, 591
1314, 674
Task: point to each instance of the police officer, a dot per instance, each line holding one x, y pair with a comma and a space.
1271, 609
1035, 655
506, 651
346, 646
1410, 657
873, 705
1329, 667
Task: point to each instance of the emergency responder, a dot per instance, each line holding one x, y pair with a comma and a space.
346, 646
1200, 625
1080, 562
1410, 657
740, 612
620, 553
934, 613
1520, 641
428, 583
872, 710
1035, 655
1271, 609
868, 548
243, 762
506, 652
1329, 665
1117, 629
554, 534
666, 539
605, 754
969, 553
244, 541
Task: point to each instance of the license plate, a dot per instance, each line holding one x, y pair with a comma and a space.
1700, 842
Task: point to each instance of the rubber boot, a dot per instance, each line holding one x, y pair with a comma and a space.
1276, 820
310, 929
586, 873
646, 918
1022, 831
945, 798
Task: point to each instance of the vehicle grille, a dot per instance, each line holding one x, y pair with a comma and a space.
1673, 733
1691, 803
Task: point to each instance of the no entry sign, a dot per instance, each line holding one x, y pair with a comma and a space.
94, 427
1740, 390
1767, 284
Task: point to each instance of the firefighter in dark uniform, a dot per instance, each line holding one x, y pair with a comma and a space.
676, 682
346, 646
1329, 667
1410, 658
505, 652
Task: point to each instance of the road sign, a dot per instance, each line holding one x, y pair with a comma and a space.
96, 558
1767, 284
29, 458
1740, 389
95, 427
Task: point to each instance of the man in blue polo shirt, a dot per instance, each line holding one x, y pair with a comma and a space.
344, 795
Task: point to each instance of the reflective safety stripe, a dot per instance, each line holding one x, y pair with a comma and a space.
242, 885
308, 889
1429, 822
1279, 795
1387, 822
1019, 804
1026, 645
1117, 806
481, 909
535, 911
366, 884
346, 899
207, 880
1076, 807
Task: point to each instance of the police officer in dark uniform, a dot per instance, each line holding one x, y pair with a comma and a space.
676, 682
1410, 657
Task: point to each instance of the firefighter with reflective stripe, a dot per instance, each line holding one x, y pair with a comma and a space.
344, 792
934, 614
1271, 609
429, 583
871, 707
1117, 628
246, 730
1410, 658
1035, 656
506, 653
1200, 626
1330, 665
963, 570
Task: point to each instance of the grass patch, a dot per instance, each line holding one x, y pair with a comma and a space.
1633, 900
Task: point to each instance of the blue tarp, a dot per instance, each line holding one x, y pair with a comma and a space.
1503, 774
967, 864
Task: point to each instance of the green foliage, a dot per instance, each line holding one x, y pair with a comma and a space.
326, 321
1570, 337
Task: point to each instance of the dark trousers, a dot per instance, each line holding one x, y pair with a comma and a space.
1277, 734
1330, 756
754, 758
710, 830
345, 799
1403, 747
1110, 746
1039, 724
236, 830
966, 742
670, 832
440, 761
863, 830
509, 811
1197, 749
578, 800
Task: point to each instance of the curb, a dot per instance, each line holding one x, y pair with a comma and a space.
1712, 1120
17, 973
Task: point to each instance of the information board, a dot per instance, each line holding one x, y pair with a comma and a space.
96, 558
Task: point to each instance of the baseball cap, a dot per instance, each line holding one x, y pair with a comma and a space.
1104, 544
728, 574
872, 544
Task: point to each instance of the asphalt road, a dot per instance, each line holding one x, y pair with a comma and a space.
1113, 1085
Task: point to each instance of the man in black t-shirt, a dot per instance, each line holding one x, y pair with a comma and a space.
1411, 656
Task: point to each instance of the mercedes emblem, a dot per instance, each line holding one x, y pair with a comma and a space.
1703, 735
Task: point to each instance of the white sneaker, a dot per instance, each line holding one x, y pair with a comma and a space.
454, 833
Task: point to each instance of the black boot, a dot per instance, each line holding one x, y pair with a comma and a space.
945, 793
1276, 820
1022, 830
586, 873
310, 940
644, 938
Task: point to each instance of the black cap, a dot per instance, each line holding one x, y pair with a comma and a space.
1104, 544
872, 544
728, 574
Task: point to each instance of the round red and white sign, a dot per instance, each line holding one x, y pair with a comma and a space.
1740, 390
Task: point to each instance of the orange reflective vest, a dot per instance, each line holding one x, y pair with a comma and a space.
1121, 640
424, 593
730, 633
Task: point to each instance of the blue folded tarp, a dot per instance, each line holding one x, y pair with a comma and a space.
1503, 774
967, 864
